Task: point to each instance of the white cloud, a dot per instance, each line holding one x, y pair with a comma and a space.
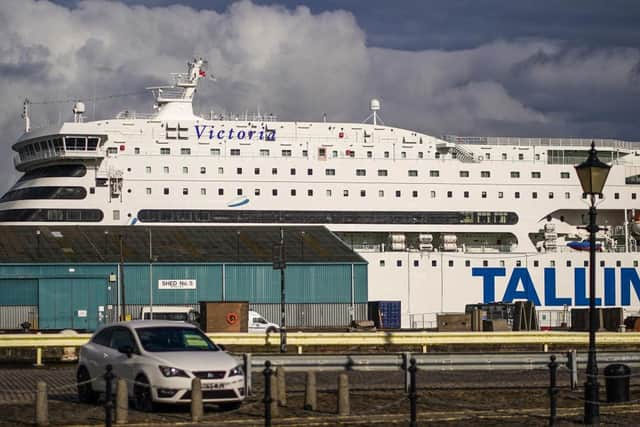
299, 65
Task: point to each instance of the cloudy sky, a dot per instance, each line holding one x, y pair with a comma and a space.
492, 67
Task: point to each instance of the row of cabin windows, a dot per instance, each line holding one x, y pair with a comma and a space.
359, 172
363, 193
322, 153
501, 263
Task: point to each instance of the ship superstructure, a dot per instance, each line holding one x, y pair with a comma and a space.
443, 221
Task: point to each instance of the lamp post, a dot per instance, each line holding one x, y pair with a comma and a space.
592, 174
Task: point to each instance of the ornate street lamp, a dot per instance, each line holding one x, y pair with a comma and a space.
592, 174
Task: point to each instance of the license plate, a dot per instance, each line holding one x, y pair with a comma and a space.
212, 386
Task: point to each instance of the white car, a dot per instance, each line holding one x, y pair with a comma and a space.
159, 359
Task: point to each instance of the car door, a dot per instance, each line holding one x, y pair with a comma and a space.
97, 355
123, 365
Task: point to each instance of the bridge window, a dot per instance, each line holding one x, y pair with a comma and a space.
485, 174
51, 215
434, 173
464, 174
45, 193
515, 174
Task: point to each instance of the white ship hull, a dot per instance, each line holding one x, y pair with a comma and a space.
443, 222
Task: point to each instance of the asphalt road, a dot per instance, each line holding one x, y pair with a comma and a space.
376, 398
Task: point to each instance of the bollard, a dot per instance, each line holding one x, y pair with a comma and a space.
282, 387
343, 394
310, 395
413, 396
267, 393
247, 374
108, 404
38, 363
274, 393
42, 405
196, 400
122, 402
553, 391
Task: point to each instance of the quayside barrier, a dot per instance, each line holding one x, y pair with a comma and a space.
335, 340
274, 397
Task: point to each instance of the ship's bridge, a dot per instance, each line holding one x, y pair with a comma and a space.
53, 148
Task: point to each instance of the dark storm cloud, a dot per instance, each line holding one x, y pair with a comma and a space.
554, 68
463, 24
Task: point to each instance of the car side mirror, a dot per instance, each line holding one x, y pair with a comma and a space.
126, 349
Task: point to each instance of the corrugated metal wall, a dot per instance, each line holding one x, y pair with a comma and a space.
208, 279
12, 316
297, 315
312, 315
18, 292
62, 291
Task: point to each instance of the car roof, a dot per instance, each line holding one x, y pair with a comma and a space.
135, 324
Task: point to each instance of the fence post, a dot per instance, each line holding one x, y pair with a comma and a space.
108, 404
310, 396
553, 391
247, 374
406, 357
343, 394
282, 386
572, 364
412, 392
42, 405
196, 400
122, 402
267, 393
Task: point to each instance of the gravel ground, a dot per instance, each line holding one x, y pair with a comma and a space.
376, 398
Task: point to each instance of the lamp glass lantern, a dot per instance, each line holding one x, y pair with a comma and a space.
592, 173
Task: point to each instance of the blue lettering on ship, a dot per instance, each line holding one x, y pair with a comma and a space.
210, 132
520, 286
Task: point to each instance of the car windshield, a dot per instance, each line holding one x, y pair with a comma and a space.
166, 338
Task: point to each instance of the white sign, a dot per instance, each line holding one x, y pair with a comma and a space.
82, 313
177, 284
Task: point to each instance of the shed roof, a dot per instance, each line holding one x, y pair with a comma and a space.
25, 244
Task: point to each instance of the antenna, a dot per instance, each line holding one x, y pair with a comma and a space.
374, 106
25, 115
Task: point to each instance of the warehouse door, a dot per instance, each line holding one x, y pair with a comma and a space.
72, 303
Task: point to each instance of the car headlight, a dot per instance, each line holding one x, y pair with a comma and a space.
168, 371
236, 371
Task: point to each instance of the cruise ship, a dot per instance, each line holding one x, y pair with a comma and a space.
442, 221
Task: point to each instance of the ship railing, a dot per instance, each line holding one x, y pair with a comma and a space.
132, 115
169, 93
367, 247
248, 117
423, 320
539, 142
488, 248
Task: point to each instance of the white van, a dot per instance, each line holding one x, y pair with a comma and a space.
257, 323
176, 313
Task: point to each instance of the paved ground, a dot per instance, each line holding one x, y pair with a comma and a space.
444, 398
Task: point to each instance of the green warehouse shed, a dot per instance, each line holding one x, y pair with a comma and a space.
72, 277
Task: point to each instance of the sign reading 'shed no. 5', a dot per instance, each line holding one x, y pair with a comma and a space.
177, 284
